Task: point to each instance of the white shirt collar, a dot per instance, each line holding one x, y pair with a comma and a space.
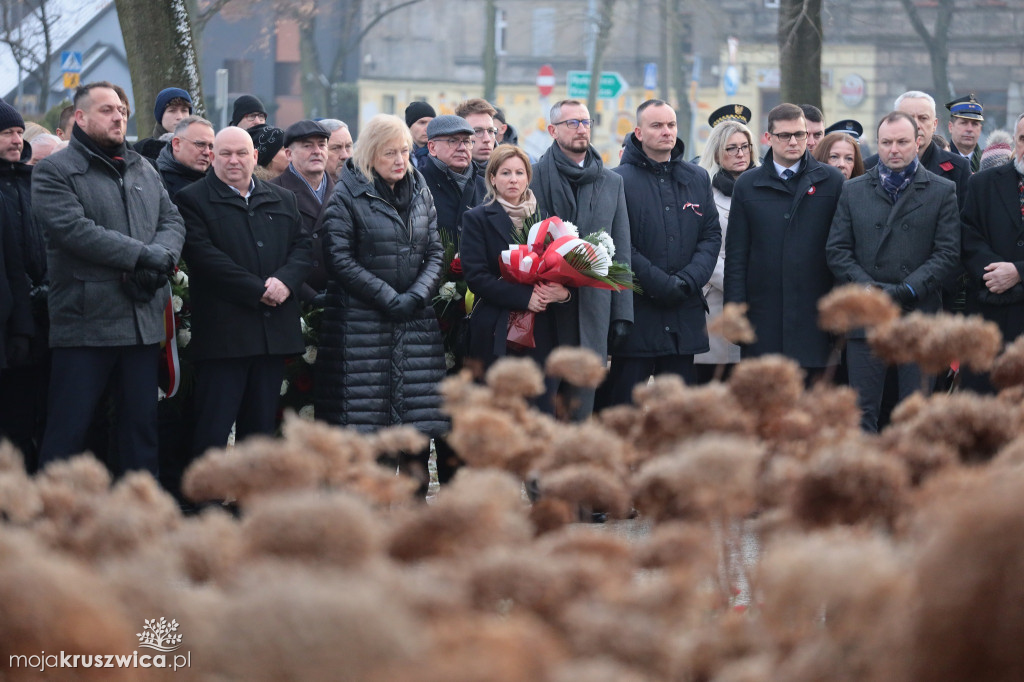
795, 167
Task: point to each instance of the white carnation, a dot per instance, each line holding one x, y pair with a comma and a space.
184, 336
307, 413
448, 291
176, 302
181, 278
570, 228
284, 386
449, 360
605, 240
303, 326
310, 355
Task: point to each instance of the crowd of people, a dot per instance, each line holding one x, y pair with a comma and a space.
270, 223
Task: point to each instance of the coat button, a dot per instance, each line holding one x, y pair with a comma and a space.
315, 235
266, 313
1020, 243
667, 329
252, 213
786, 216
667, 208
259, 244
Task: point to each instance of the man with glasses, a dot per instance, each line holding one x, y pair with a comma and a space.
305, 144
450, 174
479, 114
247, 112
571, 182
188, 156
775, 244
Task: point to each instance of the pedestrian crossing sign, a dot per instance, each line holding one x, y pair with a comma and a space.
70, 62
71, 80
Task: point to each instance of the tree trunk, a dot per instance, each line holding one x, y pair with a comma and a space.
161, 53
937, 44
604, 30
44, 66
490, 52
315, 86
800, 51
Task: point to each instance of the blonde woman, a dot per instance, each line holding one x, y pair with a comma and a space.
730, 151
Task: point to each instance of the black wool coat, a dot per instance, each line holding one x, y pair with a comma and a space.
916, 241
373, 371
673, 230
449, 202
311, 211
775, 257
231, 248
15, 310
993, 232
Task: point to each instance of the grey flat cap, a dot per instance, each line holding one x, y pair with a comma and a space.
448, 125
304, 129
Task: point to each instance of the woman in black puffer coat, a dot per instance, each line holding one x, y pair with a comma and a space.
381, 355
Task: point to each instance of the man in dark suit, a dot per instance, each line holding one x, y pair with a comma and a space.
896, 228
993, 247
305, 145
775, 244
247, 255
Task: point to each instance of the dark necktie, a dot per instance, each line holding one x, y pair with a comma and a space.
787, 174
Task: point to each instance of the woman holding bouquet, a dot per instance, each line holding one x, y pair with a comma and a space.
487, 230
381, 355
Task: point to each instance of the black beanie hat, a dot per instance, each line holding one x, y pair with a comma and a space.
9, 117
268, 141
417, 110
246, 104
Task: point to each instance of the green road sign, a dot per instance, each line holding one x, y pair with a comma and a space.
612, 84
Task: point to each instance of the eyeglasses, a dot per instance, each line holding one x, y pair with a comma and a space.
485, 132
575, 123
201, 146
458, 144
255, 116
786, 137
733, 150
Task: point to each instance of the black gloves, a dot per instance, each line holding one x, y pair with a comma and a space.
902, 295
17, 350
680, 291
318, 301
155, 257
618, 333
142, 285
403, 307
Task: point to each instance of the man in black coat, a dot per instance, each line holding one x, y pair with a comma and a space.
775, 245
921, 107
305, 145
23, 384
189, 155
897, 228
993, 248
675, 238
247, 255
450, 175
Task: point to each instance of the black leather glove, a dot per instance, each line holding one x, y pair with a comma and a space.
403, 307
902, 295
155, 257
142, 285
680, 291
319, 300
17, 350
618, 333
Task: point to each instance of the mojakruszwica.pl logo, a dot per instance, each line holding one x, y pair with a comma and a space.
159, 635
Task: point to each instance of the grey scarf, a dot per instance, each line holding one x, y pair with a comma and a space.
569, 188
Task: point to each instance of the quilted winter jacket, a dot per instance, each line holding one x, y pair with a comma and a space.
373, 371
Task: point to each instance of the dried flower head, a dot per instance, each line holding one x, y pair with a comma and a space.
589, 488
975, 426
767, 385
671, 416
1008, 368
713, 477
579, 366
733, 325
258, 466
935, 341
853, 306
487, 437
519, 377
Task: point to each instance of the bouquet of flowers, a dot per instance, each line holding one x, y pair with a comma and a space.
551, 250
453, 303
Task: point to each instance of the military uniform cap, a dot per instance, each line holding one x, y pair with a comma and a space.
852, 128
730, 112
966, 107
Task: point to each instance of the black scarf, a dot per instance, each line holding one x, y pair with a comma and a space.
114, 155
400, 197
566, 181
724, 182
165, 162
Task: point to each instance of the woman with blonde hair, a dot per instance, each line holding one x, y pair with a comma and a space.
381, 357
730, 151
486, 232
